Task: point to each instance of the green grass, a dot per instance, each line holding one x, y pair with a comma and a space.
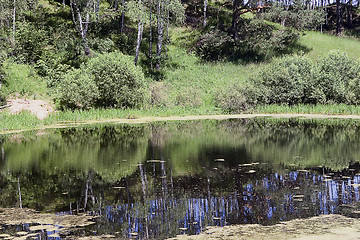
320, 44
23, 120
311, 109
22, 79
185, 71
26, 121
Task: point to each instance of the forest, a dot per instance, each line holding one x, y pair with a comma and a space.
194, 57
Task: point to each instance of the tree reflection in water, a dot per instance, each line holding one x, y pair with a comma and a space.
159, 180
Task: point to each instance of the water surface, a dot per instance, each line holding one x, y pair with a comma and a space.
158, 180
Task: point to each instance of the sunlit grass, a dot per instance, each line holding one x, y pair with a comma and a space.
320, 44
23, 120
311, 109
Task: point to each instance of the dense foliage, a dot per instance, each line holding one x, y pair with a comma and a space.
107, 80
296, 79
96, 53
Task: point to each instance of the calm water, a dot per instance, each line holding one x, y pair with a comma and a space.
162, 179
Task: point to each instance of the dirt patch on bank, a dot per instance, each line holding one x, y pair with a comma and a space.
40, 108
329, 227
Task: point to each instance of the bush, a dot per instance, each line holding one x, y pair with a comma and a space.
298, 16
335, 78
107, 80
255, 40
339, 78
119, 81
77, 90
214, 45
288, 80
237, 98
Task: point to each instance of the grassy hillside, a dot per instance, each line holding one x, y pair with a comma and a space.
318, 44
189, 85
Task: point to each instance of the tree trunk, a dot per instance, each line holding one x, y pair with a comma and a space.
205, 11
138, 42
150, 34
14, 23
167, 26
160, 30
63, 4
81, 27
235, 18
97, 8
122, 17
338, 18
322, 9
349, 14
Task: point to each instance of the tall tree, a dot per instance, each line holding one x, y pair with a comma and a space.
235, 17
349, 14
79, 9
14, 23
150, 34
165, 9
137, 13
205, 12
139, 38
160, 31
122, 16
338, 18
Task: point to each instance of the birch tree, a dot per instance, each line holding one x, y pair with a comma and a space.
166, 10
80, 11
205, 12
137, 13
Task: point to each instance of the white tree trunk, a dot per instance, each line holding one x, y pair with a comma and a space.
139, 38
205, 10
14, 23
160, 29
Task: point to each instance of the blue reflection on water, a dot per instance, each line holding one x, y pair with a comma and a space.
275, 197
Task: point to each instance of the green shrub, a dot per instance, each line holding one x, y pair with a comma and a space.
288, 80
107, 80
298, 16
255, 40
339, 78
214, 45
119, 81
77, 90
236, 98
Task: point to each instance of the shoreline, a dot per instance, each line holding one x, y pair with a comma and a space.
144, 120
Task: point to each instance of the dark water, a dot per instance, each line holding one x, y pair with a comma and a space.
162, 179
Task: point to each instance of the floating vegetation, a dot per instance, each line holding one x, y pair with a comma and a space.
220, 160
245, 165
153, 161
